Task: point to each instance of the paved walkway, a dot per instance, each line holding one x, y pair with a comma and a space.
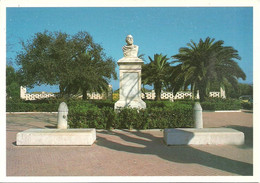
130, 153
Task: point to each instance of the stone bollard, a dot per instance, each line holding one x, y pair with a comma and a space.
197, 115
62, 116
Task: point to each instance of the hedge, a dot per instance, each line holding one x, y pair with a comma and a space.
221, 104
175, 116
52, 104
45, 105
247, 105
30, 107
100, 114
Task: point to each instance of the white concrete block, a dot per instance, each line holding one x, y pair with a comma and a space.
41, 137
201, 136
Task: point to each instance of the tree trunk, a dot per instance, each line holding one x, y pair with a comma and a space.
61, 88
202, 94
158, 88
84, 93
193, 91
203, 90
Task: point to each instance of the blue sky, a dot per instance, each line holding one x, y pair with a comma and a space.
155, 30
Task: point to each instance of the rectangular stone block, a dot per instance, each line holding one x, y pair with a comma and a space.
41, 137
203, 136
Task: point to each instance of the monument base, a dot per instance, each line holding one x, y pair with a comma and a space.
56, 137
203, 136
139, 104
130, 83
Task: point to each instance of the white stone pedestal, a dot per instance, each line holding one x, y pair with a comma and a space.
130, 83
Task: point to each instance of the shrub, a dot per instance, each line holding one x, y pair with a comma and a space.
115, 97
221, 104
19, 107
47, 107
128, 118
26, 106
208, 106
186, 101
110, 118
101, 114
151, 104
247, 105
174, 116
102, 103
84, 116
50, 105
89, 116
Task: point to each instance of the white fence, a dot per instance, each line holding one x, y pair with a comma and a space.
181, 95
147, 95
28, 96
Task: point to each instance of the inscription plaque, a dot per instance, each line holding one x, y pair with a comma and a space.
130, 85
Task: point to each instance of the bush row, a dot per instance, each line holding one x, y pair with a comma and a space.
175, 116
30, 107
51, 105
211, 104
221, 104
247, 105
41, 105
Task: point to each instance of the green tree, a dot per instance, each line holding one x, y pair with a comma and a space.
206, 62
12, 83
94, 77
242, 89
156, 73
72, 62
45, 59
245, 89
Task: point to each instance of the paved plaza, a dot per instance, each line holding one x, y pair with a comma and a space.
130, 153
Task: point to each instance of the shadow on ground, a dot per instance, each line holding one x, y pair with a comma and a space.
248, 132
180, 154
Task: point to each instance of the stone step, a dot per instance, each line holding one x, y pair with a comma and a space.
56, 137
203, 136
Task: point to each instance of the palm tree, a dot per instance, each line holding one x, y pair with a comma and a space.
206, 62
156, 73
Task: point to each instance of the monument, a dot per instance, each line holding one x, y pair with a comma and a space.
130, 67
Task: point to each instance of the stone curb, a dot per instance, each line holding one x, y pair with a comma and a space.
31, 112
127, 130
229, 111
223, 111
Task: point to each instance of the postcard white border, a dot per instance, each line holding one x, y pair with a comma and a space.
131, 3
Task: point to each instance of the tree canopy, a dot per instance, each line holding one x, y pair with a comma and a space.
72, 62
206, 62
12, 83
